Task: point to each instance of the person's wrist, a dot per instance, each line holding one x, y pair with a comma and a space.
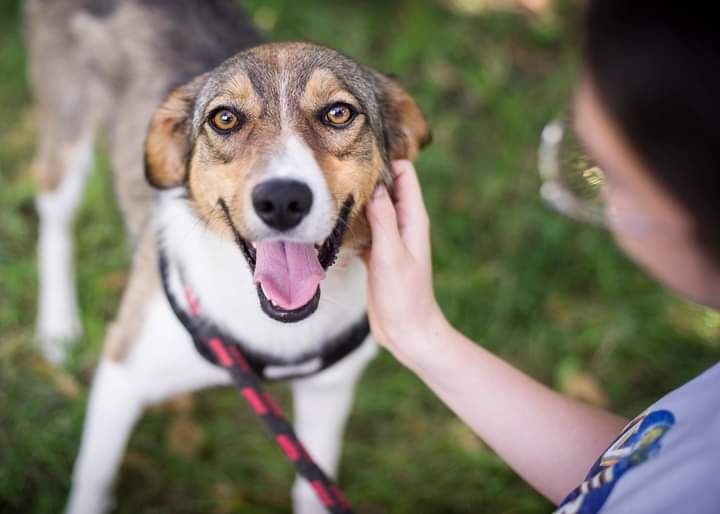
424, 339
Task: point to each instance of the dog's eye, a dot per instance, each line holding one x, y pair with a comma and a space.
224, 120
339, 115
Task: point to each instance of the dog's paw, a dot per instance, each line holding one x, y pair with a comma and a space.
55, 335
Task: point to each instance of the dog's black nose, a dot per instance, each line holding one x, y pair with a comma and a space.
282, 204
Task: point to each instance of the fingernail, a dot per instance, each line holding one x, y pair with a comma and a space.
380, 191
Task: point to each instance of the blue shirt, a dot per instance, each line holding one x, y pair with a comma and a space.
665, 461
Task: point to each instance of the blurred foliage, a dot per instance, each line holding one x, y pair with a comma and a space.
556, 299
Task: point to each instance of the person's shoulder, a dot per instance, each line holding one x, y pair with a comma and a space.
664, 461
698, 398
673, 465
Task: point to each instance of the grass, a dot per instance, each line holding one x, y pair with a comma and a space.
555, 298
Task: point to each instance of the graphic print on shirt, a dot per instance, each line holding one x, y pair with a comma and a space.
639, 442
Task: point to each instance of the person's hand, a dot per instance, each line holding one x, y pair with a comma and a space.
401, 303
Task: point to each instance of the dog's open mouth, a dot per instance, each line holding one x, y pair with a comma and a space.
288, 274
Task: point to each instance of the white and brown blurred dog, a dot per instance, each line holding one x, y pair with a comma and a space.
260, 161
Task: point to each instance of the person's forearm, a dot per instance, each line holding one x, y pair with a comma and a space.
548, 439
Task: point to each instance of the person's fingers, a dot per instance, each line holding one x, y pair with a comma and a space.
386, 242
410, 204
412, 215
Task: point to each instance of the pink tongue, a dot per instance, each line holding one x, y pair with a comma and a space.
289, 273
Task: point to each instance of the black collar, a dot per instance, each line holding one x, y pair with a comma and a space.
268, 367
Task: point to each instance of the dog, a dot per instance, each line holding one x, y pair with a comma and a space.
243, 200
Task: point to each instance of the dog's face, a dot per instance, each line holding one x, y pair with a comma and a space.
280, 147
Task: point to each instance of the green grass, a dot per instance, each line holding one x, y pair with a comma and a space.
555, 298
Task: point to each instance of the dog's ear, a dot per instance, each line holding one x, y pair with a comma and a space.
167, 146
406, 130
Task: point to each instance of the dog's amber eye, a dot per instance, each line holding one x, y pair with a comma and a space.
224, 120
339, 115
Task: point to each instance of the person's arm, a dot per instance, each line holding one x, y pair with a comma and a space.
548, 439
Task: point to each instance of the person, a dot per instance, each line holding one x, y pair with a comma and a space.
645, 109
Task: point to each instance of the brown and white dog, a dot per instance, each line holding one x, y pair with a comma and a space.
258, 159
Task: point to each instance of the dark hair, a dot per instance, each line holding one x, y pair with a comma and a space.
656, 69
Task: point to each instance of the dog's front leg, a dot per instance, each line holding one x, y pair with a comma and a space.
160, 362
112, 411
58, 320
322, 404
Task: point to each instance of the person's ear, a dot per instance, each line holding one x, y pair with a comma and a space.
167, 146
406, 130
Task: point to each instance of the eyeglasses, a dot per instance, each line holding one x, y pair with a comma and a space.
572, 183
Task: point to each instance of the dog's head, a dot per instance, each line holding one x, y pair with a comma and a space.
280, 147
